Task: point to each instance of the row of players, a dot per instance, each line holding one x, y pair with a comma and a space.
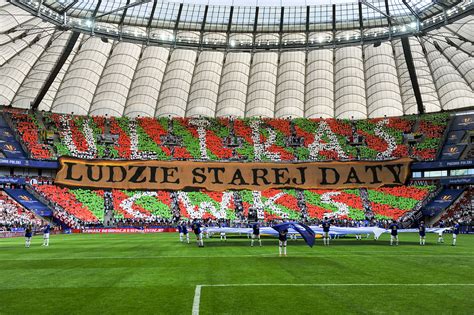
197, 230
282, 236
326, 225
29, 235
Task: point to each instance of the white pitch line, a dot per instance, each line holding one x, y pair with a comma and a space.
197, 291
334, 284
197, 300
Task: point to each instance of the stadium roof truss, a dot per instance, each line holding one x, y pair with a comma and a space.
249, 27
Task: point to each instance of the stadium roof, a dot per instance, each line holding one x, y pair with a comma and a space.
243, 26
166, 58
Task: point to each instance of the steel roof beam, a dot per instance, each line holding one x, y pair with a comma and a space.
231, 16
176, 24
418, 18
66, 8
255, 23
125, 7
96, 9
387, 8
282, 15
203, 25
178, 18
122, 18
57, 67
412, 72
370, 5
151, 14
229, 27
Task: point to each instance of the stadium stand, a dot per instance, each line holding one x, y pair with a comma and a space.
233, 139
318, 91
461, 210
87, 206
228, 138
187, 154
68, 209
13, 215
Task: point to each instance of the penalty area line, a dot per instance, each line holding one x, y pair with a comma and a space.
198, 289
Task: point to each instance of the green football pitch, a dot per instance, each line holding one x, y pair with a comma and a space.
155, 273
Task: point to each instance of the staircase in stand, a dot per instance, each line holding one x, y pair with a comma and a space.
40, 120
364, 195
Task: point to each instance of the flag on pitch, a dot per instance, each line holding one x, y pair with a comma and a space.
305, 231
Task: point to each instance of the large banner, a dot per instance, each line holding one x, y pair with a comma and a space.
220, 176
29, 163
464, 122
28, 201
454, 137
9, 146
452, 151
442, 201
126, 230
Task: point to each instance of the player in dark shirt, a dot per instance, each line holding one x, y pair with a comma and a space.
197, 231
282, 240
358, 224
256, 234
326, 226
456, 229
393, 227
223, 234
422, 232
180, 231
184, 230
28, 235
46, 231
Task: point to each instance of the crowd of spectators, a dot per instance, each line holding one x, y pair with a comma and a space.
461, 211
394, 137
13, 215
67, 208
62, 204
29, 134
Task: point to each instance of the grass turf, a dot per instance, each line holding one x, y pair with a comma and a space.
155, 273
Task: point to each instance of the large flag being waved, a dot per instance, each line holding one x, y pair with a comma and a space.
305, 231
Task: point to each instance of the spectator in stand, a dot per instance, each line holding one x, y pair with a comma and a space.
13, 215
